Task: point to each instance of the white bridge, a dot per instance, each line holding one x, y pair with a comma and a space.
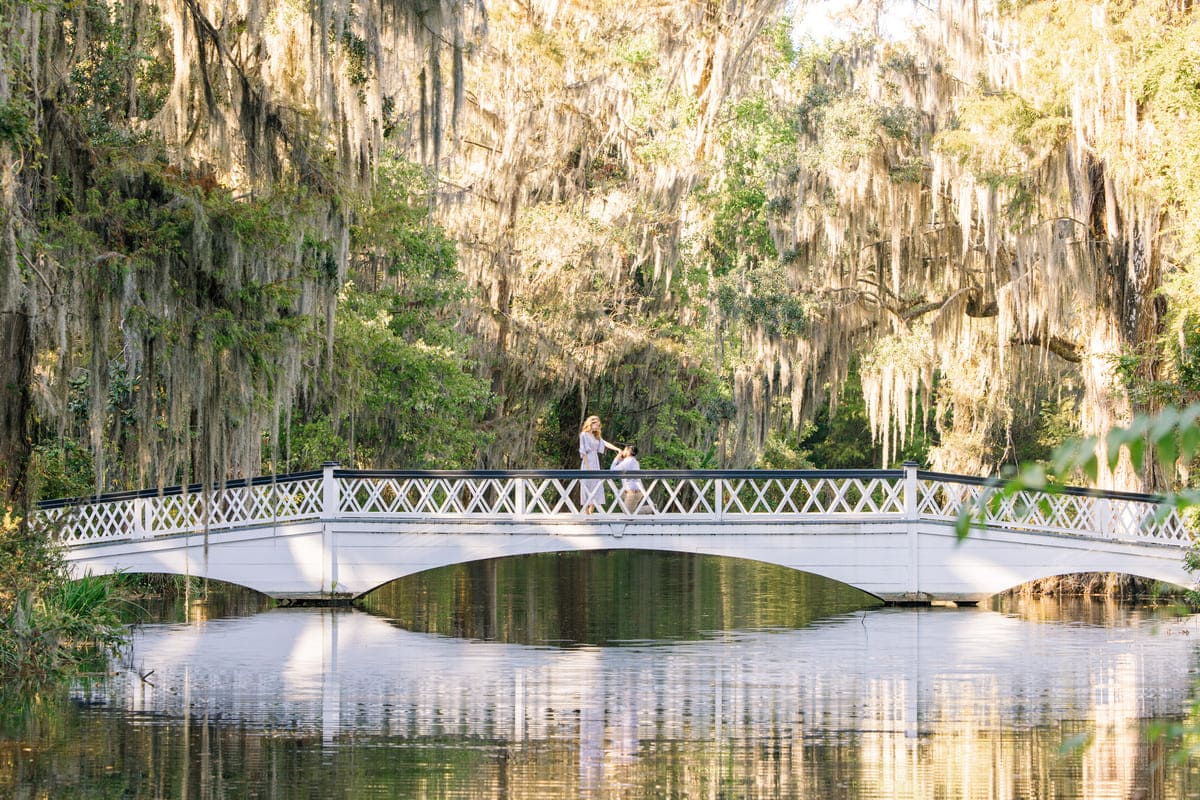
338, 533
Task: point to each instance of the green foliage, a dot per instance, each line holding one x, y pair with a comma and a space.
1169, 98
119, 76
86, 612
908, 170
311, 441
355, 49
200, 272
841, 438
1002, 137
759, 136
782, 452
759, 140
61, 468
401, 392
850, 125
674, 408
1056, 422
1186, 352
639, 51
397, 399
394, 237
1167, 371
663, 114
761, 298
16, 124
48, 624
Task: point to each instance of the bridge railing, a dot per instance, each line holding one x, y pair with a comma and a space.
176, 510
1110, 515
663, 493
334, 493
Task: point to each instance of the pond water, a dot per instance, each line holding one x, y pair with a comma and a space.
625, 675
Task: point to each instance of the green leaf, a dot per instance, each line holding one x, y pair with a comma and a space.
1167, 451
1032, 477
1189, 440
1067, 457
1189, 416
1091, 467
1112, 446
1164, 425
1137, 453
962, 523
1045, 506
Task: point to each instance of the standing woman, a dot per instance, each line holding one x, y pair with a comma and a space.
591, 445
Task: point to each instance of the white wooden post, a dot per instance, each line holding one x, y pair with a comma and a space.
330, 498
1102, 517
520, 497
140, 529
911, 523
330, 501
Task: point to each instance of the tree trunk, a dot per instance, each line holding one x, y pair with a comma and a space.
16, 358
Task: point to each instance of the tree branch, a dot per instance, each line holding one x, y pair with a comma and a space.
1064, 349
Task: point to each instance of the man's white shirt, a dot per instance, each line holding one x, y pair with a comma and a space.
625, 465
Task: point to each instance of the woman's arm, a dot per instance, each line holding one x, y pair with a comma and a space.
610, 445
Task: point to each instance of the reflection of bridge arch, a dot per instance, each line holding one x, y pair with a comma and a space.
887, 532
898, 670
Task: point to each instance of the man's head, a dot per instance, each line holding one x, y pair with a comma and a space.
630, 450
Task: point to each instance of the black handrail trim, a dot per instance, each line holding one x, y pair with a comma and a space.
168, 491
577, 474
590, 474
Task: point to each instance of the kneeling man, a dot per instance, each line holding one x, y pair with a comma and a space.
633, 496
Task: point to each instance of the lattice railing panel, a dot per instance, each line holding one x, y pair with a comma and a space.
1081, 514
553, 496
686, 497
841, 496
138, 517
234, 506
93, 522
427, 496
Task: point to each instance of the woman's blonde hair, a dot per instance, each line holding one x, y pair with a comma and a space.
587, 424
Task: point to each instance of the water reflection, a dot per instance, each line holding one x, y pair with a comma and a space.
872, 703
610, 598
900, 670
888, 703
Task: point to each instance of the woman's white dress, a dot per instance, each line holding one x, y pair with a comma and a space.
591, 492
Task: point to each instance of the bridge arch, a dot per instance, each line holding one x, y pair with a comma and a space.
1080, 572
620, 549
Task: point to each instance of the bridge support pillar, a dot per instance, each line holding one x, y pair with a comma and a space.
141, 527
912, 521
329, 509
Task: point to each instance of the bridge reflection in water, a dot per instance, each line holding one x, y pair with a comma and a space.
927, 696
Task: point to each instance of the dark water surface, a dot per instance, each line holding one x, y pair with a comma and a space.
625, 675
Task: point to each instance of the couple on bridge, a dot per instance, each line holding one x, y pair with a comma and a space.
591, 445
